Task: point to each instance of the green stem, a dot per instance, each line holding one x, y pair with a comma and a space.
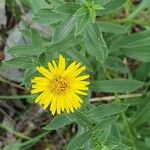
128, 129
126, 123
140, 21
35, 140
106, 72
16, 97
124, 118
14, 132
133, 21
98, 143
2, 79
127, 7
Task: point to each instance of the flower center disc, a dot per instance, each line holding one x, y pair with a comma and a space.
59, 85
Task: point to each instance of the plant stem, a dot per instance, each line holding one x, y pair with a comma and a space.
16, 97
106, 72
128, 129
34, 140
2, 79
14, 132
110, 98
124, 118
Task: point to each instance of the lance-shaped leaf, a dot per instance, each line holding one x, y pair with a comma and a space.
116, 85
59, 122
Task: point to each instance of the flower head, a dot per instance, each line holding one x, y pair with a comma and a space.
60, 86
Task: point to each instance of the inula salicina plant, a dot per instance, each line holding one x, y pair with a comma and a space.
87, 64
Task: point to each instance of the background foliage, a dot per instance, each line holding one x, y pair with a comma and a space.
112, 39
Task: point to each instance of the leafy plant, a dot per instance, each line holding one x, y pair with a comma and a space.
93, 33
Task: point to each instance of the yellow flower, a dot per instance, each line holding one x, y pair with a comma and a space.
61, 86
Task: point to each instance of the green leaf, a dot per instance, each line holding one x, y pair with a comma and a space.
142, 116
98, 7
103, 128
66, 8
147, 141
81, 11
116, 64
134, 40
109, 27
36, 38
38, 4
46, 16
95, 49
111, 6
28, 76
56, 2
102, 2
43, 59
79, 57
64, 29
115, 145
66, 43
143, 71
93, 15
116, 85
20, 62
26, 33
86, 2
141, 53
143, 5
79, 141
95, 44
81, 24
13, 146
10, 73
27, 50
59, 122
115, 132
106, 110
105, 124
82, 119
136, 101
13, 8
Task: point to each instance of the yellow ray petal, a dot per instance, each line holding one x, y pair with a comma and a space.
74, 68
68, 98
82, 88
33, 91
58, 105
51, 68
82, 77
39, 97
45, 72
76, 104
77, 97
80, 83
61, 64
42, 83
62, 103
40, 79
78, 71
40, 86
80, 92
54, 64
53, 105
66, 107
47, 100
70, 68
